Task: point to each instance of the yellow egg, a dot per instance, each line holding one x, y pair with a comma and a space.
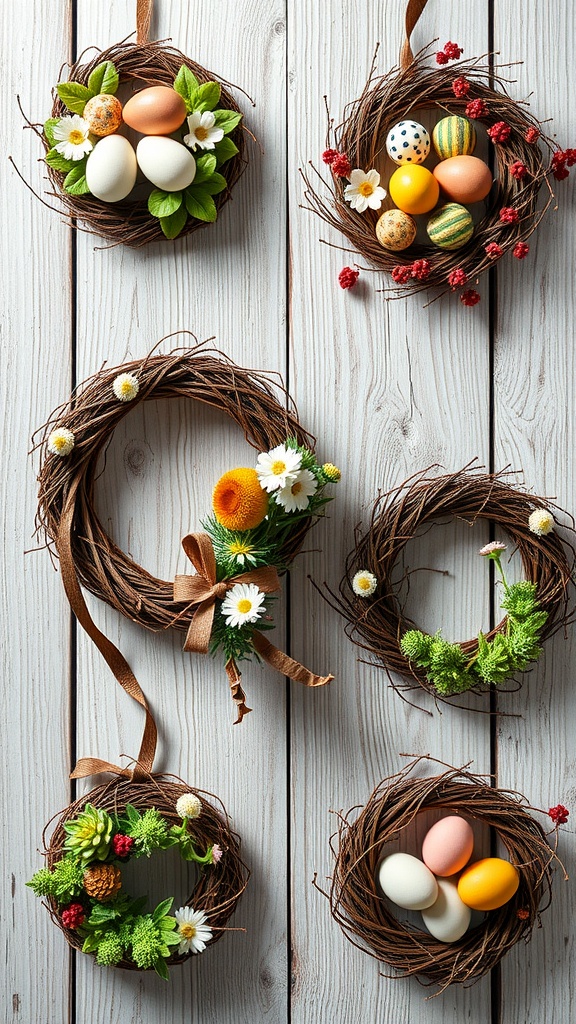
395, 230
488, 884
103, 114
414, 189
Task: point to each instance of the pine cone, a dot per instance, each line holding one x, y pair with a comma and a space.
102, 881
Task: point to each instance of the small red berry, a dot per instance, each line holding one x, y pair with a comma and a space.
559, 814
73, 916
347, 277
493, 250
400, 274
329, 155
508, 215
499, 132
470, 297
521, 250
476, 108
441, 57
122, 844
558, 165
453, 51
522, 914
570, 157
341, 166
421, 269
460, 87
518, 170
457, 278
532, 135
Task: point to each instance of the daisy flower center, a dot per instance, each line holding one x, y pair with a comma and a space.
366, 188
187, 931
76, 137
59, 443
238, 547
279, 467
201, 133
244, 605
364, 583
296, 488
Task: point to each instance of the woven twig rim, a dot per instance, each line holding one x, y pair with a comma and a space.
257, 402
365, 915
129, 222
387, 99
218, 888
378, 623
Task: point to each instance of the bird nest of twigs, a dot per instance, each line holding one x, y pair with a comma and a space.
366, 916
508, 215
377, 623
217, 888
129, 222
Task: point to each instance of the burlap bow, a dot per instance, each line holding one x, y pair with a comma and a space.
204, 590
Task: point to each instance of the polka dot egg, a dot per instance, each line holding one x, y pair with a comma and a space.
408, 143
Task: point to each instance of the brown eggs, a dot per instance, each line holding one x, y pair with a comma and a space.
465, 179
103, 114
158, 110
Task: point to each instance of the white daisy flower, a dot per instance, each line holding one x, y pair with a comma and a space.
61, 441
278, 468
364, 190
193, 932
126, 386
203, 132
243, 603
493, 548
72, 133
295, 496
364, 583
541, 522
188, 805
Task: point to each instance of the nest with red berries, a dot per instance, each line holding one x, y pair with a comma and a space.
123, 820
130, 220
524, 162
372, 592
366, 916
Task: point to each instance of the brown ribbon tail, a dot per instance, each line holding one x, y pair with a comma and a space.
94, 766
200, 628
285, 665
238, 695
143, 19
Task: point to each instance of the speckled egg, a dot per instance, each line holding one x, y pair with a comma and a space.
454, 136
488, 884
408, 143
448, 845
395, 230
465, 179
448, 918
165, 162
158, 110
111, 169
103, 114
414, 189
407, 881
451, 226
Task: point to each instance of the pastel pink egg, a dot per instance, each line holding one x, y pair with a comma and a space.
448, 846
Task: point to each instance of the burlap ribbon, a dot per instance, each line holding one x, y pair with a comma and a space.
414, 9
143, 19
203, 590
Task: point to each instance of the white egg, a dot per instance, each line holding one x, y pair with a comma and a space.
407, 881
165, 162
111, 169
448, 918
408, 143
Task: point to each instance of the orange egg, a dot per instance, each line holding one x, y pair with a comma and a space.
488, 884
465, 179
414, 189
158, 110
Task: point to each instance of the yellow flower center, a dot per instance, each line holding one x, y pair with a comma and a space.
126, 387
201, 133
364, 583
59, 443
187, 931
278, 467
366, 188
244, 605
76, 137
238, 547
296, 488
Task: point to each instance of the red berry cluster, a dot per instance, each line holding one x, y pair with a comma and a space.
562, 159
499, 132
532, 135
476, 109
559, 814
470, 297
122, 844
73, 915
493, 251
521, 250
419, 269
460, 87
339, 162
508, 215
329, 156
518, 170
347, 277
457, 278
451, 51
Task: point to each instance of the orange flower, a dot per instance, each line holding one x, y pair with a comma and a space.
238, 500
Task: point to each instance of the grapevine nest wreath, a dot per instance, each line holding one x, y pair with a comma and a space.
365, 916
536, 607
260, 518
190, 152
460, 245
124, 820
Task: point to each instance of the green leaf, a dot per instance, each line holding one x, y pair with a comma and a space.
161, 968
214, 185
75, 181
104, 79
207, 97
162, 204
58, 162
227, 120
200, 204
49, 127
205, 167
224, 151
132, 814
162, 909
91, 942
172, 225
187, 85
74, 95
170, 939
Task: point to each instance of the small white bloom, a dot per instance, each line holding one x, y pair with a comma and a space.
492, 548
203, 132
278, 468
243, 603
364, 583
295, 496
364, 190
188, 805
126, 386
61, 441
72, 133
541, 522
193, 932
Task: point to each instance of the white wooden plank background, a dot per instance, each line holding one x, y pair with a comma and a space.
388, 388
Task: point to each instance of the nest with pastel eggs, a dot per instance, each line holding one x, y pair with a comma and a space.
389, 99
129, 221
366, 917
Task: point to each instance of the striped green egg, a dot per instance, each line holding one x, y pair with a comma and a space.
451, 226
454, 136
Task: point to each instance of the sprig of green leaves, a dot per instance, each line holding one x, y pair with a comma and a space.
103, 79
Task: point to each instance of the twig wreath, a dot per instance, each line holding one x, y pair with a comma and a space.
161, 163
366, 916
535, 607
462, 244
261, 514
